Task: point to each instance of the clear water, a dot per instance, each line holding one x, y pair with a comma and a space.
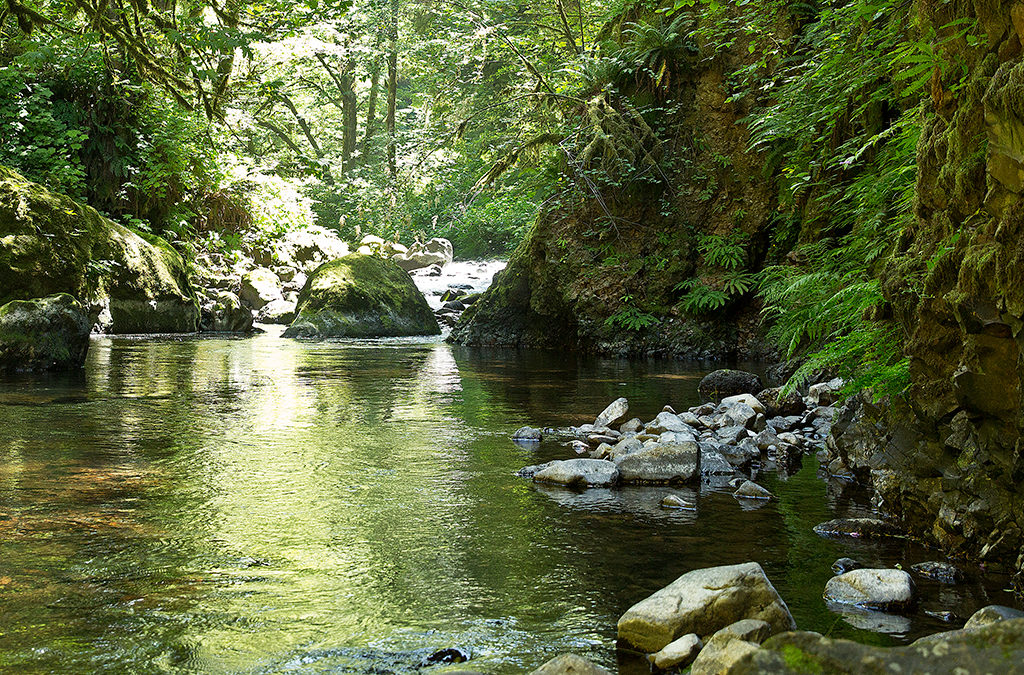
263, 505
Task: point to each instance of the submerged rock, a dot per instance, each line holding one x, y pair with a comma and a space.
50, 333
844, 565
724, 383
986, 616
881, 589
751, 490
863, 528
676, 502
579, 473
704, 601
528, 434
361, 296
942, 572
570, 664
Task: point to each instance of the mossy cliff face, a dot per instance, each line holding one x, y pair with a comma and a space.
51, 244
951, 461
623, 257
361, 296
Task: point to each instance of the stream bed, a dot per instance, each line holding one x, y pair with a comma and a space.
262, 505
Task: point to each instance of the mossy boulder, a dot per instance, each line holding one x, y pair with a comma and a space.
50, 333
361, 296
50, 244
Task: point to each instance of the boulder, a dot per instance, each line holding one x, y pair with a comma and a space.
581, 473
277, 311
659, 464
570, 664
825, 393
259, 288
678, 653
986, 616
777, 404
881, 589
729, 645
527, 434
50, 333
998, 648
860, 528
310, 247
361, 296
704, 601
49, 244
437, 251
741, 456
712, 463
632, 426
613, 414
723, 383
226, 314
742, 415
746, 399
666, 421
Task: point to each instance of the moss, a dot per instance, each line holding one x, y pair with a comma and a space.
361, 296
800, 661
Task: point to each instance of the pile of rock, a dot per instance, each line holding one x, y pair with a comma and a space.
728, 439
454, 302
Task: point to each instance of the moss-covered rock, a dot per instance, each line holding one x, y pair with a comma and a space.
361, 296
51, 244
50, 333
998, 648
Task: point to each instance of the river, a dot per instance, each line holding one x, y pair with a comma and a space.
263, 505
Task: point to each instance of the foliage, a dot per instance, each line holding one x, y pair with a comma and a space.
631, 317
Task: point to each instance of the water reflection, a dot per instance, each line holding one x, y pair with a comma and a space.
267, 505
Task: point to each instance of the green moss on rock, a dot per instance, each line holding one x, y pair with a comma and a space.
361, 296
51, 244
50, 333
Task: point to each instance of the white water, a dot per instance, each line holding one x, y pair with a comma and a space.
472, 276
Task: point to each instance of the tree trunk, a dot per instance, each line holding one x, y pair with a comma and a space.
392, 88
371, 110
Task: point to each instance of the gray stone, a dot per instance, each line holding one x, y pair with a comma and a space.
670, 463
690, 419
704, 601
226, 314
731, 434
277, 311
614, 414
719, 655
676, 502
881, 589
579, 473
986, 616
766, 439
751, 490
825, 393
623, 447
741, 414
533, 470
742, 455
437, 251
746, 399
678, 653
712, 463
844, 565
632, 426
527, 434
666, 421
677, 437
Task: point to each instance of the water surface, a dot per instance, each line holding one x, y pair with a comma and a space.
265, 505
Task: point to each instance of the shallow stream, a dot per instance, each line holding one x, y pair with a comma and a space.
266, 505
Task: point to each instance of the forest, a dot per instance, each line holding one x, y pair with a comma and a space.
458, 218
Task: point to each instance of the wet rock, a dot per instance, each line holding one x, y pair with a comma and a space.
944, 615
994, 649
844, 565
437, 251
751, 490
882, 589
986, 616
533, 470
729, 645
670, 463
724, 383
943, 572
449, 655
50, 333
767, 439
632, 426
690, 419
678, 653
713, 463
597, 439
528, 434
614, 414
676, 502
579, 447
784, 423
731, 434
259, 287
623, 447
742, 415
454, 305
862, 528
570, 664
825, 393
581, 473
704, 601
741, 456
677, 437
226, 314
